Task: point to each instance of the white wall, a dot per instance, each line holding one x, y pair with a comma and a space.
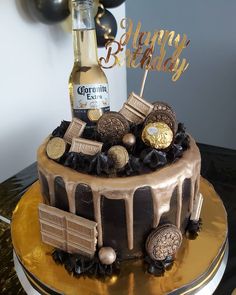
35, 62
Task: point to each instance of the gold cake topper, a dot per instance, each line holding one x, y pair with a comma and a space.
149, 50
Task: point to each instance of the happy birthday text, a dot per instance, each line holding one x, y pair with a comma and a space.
148, 50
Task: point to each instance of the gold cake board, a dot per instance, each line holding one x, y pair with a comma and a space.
196, 263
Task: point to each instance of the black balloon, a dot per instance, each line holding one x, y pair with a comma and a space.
111, 3
49, 11
108, 20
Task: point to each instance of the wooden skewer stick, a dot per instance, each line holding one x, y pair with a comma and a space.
143, 83
145, 76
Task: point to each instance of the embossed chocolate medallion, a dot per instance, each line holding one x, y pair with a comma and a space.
163, 107
157, 135
119, 155
162, 116
56, 148
112, 126
163, 241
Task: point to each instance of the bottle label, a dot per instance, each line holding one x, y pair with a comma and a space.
91, 96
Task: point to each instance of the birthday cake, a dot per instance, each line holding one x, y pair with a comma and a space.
127, 189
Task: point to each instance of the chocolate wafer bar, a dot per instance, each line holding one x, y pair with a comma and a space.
75, 129
139, 104
131, 114
85, 146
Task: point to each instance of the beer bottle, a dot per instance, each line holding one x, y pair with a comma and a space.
88, 86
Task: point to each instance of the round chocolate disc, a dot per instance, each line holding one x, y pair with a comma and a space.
163, 241
112, 126
157, 135
56, 148
162, 116
119, 155
163, 107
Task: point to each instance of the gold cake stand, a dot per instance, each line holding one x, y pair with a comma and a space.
196, 263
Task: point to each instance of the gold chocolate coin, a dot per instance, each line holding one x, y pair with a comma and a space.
157, 135
119, 155
94, 114
56, 148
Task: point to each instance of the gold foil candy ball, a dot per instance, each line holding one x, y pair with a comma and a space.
129, 140
119, 155
107, 255
158, 135
163, 241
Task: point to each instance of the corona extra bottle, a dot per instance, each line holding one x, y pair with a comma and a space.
88, 86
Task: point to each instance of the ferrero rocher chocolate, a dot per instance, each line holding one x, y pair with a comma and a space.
129, 140
112, 126
56, 148
157, 135
119, 155
107, 255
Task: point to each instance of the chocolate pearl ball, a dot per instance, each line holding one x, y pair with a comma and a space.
129, 140
107, 255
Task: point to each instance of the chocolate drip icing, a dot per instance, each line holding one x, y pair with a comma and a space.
162, 184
